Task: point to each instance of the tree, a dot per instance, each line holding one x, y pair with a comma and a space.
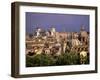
39, 60
67, 59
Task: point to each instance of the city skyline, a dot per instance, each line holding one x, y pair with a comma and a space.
62, 22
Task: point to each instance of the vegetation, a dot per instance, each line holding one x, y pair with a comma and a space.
49, 60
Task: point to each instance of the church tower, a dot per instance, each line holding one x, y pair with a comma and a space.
83, 34
53, 31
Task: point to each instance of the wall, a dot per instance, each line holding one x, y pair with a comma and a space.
5, 40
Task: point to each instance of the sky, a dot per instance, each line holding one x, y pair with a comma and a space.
62, 22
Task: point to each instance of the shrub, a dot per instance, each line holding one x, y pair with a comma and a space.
39, 60
70, 58
67, 59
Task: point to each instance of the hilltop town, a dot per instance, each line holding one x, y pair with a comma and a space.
55, 43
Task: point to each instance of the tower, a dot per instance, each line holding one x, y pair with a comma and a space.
38, 32
83, 35
53, 31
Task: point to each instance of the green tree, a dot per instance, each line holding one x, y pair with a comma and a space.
39, 60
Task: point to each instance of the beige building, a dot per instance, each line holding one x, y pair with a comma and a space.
50, 41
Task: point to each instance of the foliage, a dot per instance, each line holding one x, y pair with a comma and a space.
67, 59
39, 60
70, 58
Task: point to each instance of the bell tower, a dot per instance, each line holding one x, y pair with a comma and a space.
53, 31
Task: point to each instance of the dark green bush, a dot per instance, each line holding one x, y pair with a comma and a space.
39, 60
67, 59
49, 60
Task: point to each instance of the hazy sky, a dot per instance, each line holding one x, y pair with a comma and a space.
62, 22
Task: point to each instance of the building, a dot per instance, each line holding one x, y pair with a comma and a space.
54, 42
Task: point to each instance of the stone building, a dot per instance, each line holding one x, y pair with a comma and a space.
83, 35
53, 42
